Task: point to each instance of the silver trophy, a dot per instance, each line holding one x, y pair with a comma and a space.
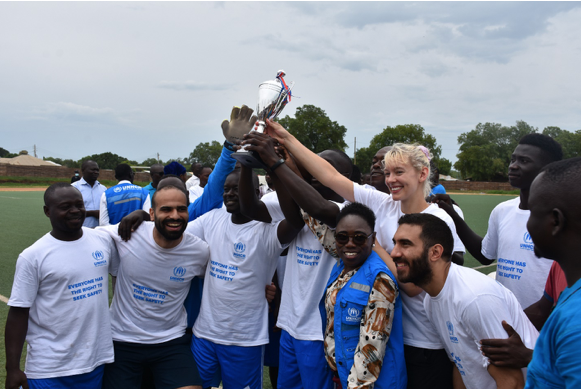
273, 96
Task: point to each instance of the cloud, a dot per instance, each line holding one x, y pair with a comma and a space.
489, 31
64, 111
192, 85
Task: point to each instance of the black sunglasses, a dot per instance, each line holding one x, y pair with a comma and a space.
358, 238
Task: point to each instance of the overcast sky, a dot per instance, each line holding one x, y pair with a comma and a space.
141, 78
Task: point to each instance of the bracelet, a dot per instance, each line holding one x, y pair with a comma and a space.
276, 164
229, 145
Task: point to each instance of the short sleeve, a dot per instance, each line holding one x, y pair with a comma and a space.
490, 241
113, 259
26, 283
270, 200
196, 227
373, 199
482, 319
273, 244
147, 202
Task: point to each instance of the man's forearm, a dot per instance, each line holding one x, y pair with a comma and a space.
471, 240
14, 336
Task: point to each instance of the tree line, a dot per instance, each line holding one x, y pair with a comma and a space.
484, 153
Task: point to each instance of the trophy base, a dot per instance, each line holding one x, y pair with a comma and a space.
249, 159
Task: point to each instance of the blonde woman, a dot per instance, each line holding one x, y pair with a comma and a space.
407, 172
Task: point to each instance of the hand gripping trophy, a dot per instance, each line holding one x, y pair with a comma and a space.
273, 95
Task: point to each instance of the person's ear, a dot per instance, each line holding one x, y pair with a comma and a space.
558, 221
435, 252
151, 214
424, 174
46, 211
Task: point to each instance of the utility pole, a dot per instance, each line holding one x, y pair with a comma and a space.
355, 152
158, 161
35, 152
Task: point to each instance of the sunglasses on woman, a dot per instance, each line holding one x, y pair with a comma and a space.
358, 238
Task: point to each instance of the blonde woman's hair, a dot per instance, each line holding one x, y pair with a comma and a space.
418, 156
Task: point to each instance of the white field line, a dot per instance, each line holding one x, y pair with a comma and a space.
483, 266
3, 299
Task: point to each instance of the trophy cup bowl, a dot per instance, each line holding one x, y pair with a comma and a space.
273, 95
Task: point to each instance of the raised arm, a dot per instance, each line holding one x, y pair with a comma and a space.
212, 196
289, 227
301, 192
250, 205
471, 240
241, 122
317, 166
14, 336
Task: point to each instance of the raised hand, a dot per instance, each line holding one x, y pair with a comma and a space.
275, 130
262, 144
241, 122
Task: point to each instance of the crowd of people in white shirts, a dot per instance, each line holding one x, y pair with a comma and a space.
344, 284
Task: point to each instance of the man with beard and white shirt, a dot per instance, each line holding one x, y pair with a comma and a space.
148, 317
462, 304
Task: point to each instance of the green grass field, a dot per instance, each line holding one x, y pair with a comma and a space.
22, 222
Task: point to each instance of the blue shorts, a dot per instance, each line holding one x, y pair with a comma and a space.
92, 380
241, 366
302, 364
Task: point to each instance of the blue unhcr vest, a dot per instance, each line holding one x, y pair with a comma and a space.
122, 199
349, 308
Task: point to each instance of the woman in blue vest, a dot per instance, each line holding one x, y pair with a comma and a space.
363, 331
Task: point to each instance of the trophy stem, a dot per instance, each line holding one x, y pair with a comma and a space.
261, 126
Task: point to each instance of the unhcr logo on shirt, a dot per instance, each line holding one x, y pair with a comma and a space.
239, 249
100, 258
528, 242
450, 327
178, 272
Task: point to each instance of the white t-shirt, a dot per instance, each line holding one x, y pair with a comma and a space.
65, 285
471, 307
417, 330
308, 267
243, 258
195, 192
192, 181
508, 240
152, 284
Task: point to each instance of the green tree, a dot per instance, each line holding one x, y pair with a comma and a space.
445, 166
485, 152
569, 141
150, 161
63, 162
205, 153
402, 133
6, 154
313, 128
106, 160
